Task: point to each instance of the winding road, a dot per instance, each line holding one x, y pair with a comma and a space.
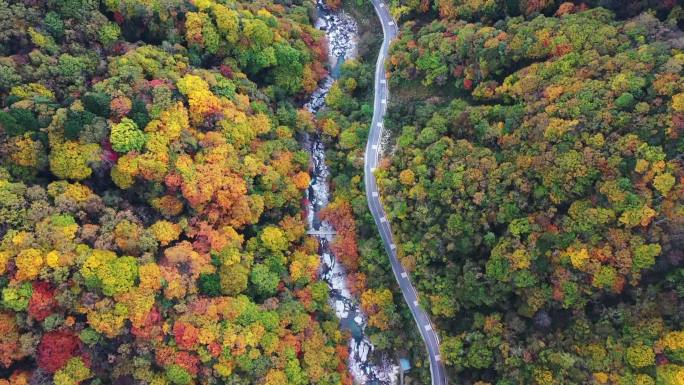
427, 331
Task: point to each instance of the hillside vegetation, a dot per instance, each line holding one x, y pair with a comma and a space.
537, 194
150, 195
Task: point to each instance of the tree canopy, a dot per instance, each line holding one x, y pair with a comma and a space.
150, 195
536, 192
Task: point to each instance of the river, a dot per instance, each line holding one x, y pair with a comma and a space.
365, 366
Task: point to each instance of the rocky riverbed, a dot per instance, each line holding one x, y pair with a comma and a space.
341, 31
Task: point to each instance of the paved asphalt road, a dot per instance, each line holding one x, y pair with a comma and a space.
425, 327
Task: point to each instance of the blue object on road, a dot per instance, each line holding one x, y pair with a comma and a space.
405, 364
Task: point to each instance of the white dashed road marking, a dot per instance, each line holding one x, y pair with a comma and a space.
383, 93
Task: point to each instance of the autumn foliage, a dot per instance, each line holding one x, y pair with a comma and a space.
344, 246
42, 302
536, 194
55, 349
150, 180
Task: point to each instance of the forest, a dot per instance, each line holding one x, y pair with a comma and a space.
534, 180
151, 225
152, 183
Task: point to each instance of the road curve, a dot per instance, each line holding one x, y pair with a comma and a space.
427, 331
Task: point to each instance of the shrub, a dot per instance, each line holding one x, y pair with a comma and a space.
126, 136
210, 284
177, 375
640, 356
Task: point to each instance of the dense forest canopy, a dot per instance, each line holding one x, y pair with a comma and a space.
150, 195
536, 186
151, 186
